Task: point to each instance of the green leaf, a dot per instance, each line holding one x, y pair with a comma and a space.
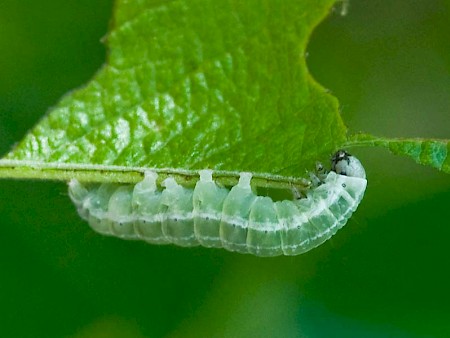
431, 152
188, 85
195, 84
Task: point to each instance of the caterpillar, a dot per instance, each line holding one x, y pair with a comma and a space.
236, 219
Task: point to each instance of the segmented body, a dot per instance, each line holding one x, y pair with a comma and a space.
213, 216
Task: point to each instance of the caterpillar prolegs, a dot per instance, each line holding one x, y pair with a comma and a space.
214, 216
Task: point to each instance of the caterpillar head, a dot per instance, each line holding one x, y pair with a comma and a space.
345, 164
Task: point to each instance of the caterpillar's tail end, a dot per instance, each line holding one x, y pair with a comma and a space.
77, 191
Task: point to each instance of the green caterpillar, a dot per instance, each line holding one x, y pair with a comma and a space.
214, 216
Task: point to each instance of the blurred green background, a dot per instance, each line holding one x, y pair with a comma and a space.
385, 274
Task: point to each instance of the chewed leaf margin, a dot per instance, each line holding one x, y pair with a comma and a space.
293, 123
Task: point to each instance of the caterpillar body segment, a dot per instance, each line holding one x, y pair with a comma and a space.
208, 200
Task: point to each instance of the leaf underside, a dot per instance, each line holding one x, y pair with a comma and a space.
198, 84
195, 84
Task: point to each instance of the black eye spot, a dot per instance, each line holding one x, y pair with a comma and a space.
265, 231
344, 185
298, 227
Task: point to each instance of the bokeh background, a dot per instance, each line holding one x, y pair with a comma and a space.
387, 273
